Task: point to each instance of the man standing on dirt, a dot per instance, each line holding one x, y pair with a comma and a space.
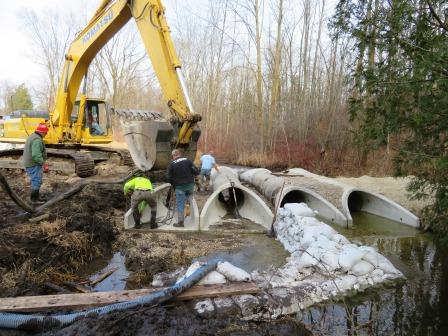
142, 191
207, 163
34, 156
180, 173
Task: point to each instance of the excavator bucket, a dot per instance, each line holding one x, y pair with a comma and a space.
149, 143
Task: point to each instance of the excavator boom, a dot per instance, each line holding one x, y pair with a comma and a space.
108, 19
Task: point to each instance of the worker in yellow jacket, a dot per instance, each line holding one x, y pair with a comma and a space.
142, 191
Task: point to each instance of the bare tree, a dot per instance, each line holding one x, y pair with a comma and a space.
51, 34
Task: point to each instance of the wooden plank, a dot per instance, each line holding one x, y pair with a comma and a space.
83, 300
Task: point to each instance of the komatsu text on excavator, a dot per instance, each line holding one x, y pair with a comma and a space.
77, 124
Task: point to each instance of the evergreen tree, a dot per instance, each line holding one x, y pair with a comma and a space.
20, 99
400, 88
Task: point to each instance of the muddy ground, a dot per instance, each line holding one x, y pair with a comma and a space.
89, 226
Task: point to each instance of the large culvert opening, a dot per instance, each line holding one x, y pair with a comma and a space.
355, 201
294, 196
232, 199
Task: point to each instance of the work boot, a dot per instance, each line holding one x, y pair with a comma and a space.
179, 224
136, 216
34, 197
153, 224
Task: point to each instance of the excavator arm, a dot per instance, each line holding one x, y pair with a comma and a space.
109, 18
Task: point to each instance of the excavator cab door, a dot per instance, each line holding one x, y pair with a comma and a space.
97, 122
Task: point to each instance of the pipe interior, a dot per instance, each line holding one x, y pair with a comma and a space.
231, 199
294, 196
355, 201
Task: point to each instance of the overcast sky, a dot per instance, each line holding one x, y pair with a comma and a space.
16, 62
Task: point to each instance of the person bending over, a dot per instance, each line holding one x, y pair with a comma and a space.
141, 188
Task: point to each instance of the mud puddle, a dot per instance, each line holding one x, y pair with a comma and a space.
260, 252
98, 267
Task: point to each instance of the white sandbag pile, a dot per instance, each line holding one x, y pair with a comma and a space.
323, 257
225, 272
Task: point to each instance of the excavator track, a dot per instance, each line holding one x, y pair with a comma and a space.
125, 156
84, 165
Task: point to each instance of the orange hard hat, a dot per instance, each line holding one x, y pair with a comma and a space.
42, 128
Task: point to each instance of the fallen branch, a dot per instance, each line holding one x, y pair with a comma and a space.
75, 189
39, 218
103, 276
79, 288
57, 288
25, 206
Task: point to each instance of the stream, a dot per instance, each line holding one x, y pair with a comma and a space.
416, 305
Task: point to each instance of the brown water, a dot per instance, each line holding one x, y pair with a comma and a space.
260, 252
417, 305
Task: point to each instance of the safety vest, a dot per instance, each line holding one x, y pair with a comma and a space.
138, 183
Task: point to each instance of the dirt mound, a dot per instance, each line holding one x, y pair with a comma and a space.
98, 228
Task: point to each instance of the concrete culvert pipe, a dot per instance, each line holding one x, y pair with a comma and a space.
166, 216
230, 199
270, 186
325, 210
355, 199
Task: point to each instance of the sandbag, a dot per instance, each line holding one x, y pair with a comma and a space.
299, 209
210, 279
349, 256
338, 238
310, 257
232, 273
362, 268
330, 260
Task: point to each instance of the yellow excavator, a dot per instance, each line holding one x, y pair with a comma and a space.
77, 124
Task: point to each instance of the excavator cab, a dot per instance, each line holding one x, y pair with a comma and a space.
96, 121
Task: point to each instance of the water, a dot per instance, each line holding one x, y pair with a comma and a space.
415, 306
115, 281
261, 252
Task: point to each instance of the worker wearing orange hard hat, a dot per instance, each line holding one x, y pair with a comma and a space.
34, 156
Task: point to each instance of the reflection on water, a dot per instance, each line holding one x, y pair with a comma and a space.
415, 306
115, 281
